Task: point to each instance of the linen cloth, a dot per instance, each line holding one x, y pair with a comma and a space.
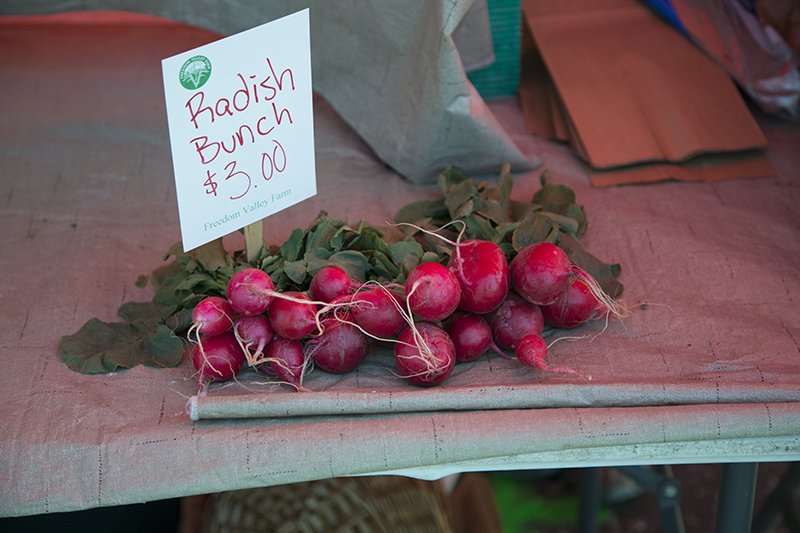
88, 205
393, 71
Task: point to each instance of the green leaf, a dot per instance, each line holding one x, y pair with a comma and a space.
517, 211
165, 349
192, 300
503, 231
100, 347
494, 211
323, 233
437, 245
175, 250
337, 241
430, 257
296, 270
168, 292
180, 321
353, 262
398, 251
270, 263
460, 199
560, 199
565, 224
368, 239
292, 249
480, 228
162, 274
381, 266
145, 315
450, 177
553, 194
535, 228
201, 282
318, 253
419, 211
407, 254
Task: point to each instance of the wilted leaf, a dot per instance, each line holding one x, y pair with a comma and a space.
605, 274
100, 347
212, 254
505, 185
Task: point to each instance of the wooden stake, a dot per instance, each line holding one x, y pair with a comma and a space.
254, 240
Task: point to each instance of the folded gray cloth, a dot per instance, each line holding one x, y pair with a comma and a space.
392, 70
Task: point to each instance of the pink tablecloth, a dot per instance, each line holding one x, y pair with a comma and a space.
88, 204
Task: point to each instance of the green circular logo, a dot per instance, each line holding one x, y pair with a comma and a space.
195, 72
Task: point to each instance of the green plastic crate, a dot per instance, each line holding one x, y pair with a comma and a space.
501, 78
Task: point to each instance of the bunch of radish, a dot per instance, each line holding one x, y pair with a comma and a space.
444, 314
278, 333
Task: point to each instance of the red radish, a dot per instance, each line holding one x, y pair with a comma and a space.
541, 273
514, 318
606, 307
577, 306
432, 291
253, 333
483, 274
341, 346
212, 316
531, 350
378, 312
291, 317
329, 283
470, 333
217, 357
424, 354
287, 360
250, 291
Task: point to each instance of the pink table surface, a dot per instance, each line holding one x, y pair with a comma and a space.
709, 372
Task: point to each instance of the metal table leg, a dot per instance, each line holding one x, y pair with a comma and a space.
590, 495
736, 492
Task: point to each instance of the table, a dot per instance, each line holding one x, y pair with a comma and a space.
707, 373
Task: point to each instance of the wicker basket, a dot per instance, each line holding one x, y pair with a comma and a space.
391, 504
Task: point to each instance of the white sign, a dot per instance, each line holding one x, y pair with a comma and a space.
241, 128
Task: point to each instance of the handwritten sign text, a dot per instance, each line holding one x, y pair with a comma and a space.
241, 128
